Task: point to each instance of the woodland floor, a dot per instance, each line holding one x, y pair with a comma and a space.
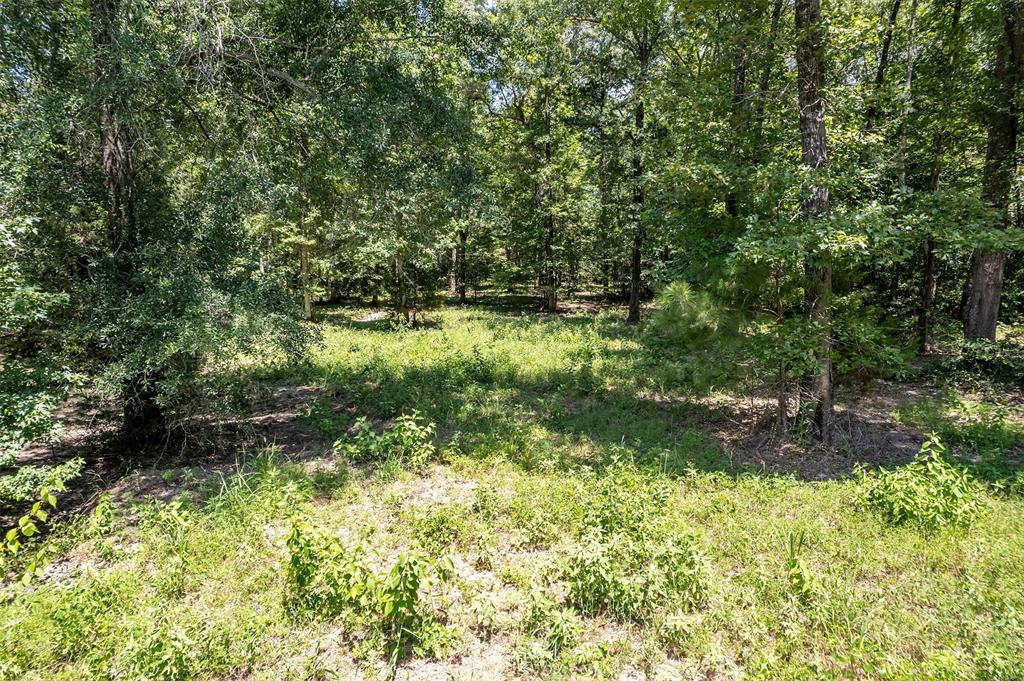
176, 567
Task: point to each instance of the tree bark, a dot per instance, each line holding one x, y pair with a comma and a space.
739, 116
550, 276
929, 279
461, 265
143, 419
766, 71
638, 207
984, 285
307, 296
810, 58
908, 81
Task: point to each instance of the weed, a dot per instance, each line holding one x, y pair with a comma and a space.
628, 501
799, 577
486, 616
161, 655
486, 502
630, 578
408, 442
327, 579
929, 493
977, 426
440, 527
558, 627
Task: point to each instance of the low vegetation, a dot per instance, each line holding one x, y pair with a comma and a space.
502, 523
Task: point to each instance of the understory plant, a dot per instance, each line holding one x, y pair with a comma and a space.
327, 579
631, 560
407, 442
931, 492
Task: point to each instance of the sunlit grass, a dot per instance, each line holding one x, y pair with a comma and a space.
545, 429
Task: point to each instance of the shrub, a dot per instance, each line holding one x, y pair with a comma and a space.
628, 501
327, 579
864, 346
1001, 361
631, 579
930, 492
558, 627
408, 441
439, 527
800, 579
24, 485
631, 561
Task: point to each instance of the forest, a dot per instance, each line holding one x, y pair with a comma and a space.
511, 339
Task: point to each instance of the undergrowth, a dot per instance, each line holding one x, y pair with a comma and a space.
931, 492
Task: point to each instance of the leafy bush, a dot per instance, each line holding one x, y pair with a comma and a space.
630, 579
408, 441
558, 627
929, 493
631, 561
1001, 361
863, 345
25, 484
629, 501
327, 579
439, 527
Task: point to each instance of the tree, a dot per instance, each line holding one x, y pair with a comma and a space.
984, 285
639, 28
810, 60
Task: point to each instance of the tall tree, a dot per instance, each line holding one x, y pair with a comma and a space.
883, 64
984, 285
929, 280
639, 28
143, 416
810, 61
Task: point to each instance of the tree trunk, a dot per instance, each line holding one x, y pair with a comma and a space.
550, 277
401, 299
461, 265
810, 58
638, 208
143, 419
739, 116
307, 296
453, 272
907, 92
883, 64
984, 285
766, 72
929, 280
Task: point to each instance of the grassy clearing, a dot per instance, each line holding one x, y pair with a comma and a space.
567, 517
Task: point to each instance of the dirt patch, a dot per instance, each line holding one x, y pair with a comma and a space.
208, 447
866, 433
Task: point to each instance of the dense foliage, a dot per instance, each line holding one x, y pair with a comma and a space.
786, 193
175, 174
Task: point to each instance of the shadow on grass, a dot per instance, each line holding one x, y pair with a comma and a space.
598, 405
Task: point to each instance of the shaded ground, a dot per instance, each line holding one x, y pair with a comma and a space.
740, 432
217, 449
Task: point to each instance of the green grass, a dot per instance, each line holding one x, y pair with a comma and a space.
560, 442
984, 428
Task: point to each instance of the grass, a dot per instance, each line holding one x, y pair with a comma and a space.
559, 443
